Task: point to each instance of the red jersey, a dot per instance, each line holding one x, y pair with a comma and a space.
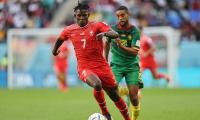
87, 48
60, 61
145, 44
147, 62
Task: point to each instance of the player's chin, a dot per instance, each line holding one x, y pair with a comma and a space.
82, 22
122, 23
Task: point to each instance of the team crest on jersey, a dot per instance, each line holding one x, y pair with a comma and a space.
91, 33
129, 37
82, 33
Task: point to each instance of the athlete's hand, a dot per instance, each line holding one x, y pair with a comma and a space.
118, 42
100, 36
55, 52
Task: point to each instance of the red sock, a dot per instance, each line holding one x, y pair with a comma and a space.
99, 96
121, 105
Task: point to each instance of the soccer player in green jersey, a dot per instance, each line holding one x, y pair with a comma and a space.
125, 59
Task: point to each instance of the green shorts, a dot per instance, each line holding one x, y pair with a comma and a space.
132, 74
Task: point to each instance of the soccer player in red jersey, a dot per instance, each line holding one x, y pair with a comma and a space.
93, 69
61, 66
147, 60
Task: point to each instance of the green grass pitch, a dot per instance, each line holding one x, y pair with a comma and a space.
78, 104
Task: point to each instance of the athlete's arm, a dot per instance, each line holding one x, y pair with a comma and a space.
149, 51
58, 43
105, 30
111, 34
106, 49
63, 36
132, 50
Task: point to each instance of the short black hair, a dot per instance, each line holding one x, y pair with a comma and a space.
122, 8
81, 6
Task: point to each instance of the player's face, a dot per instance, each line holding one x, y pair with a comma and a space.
81, 17
122, 17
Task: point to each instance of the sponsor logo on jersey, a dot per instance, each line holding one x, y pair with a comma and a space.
82, 33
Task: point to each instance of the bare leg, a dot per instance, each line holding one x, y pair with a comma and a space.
119, 102
95, 82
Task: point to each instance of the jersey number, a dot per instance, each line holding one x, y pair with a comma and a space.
84, 42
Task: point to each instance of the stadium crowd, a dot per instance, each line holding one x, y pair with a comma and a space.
180, 14
183, 15
26, 14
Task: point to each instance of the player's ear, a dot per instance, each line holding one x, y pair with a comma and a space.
75, 13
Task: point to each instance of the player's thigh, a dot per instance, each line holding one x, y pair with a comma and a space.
117, 73
88, 76
106, 76
140, 82
133, 90
132, 78
153, 68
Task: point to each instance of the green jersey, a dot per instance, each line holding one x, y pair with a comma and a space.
129, 38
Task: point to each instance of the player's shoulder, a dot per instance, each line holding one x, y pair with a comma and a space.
146, 38
99, 23
71, 27
114, 27
134, 28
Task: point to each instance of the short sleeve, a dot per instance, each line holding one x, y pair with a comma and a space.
64, 35
102, 27
150, 41
136, 39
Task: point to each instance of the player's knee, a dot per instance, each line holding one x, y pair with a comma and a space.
97, 85
134, 99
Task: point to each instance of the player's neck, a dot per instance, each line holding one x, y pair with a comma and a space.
82, 26
125, 27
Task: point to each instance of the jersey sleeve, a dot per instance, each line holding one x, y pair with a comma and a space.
64, 35
136, 39
102, 27
149, 42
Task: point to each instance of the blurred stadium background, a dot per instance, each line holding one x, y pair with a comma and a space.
25, 53
29, 27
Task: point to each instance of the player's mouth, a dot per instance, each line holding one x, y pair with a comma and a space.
122, 22
82, 20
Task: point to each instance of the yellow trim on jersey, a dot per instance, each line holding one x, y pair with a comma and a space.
136, 48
